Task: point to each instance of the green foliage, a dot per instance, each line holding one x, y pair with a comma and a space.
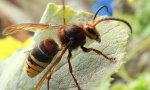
140, 23
145, 1
140, 20
143, 18
142, 83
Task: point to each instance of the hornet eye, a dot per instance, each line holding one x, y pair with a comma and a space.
91, 30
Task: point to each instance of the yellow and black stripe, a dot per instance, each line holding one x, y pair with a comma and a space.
40, 57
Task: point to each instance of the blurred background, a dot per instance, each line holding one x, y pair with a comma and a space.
134, 75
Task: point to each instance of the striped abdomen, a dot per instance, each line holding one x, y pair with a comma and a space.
40, 56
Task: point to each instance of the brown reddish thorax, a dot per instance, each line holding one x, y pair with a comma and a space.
72, 33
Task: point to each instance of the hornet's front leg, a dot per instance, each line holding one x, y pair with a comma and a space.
97, 51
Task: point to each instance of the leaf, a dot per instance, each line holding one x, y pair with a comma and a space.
89, 69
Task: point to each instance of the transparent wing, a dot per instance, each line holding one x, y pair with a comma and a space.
29, 26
